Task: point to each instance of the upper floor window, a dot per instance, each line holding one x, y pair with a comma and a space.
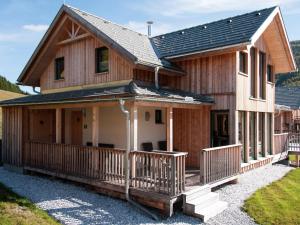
158, 116
59, 68
270, 75
253, 72
262, 75
101, 59
243, 62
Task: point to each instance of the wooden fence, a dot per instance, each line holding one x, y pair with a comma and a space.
280, 141
155, 171
219, 163
162, 172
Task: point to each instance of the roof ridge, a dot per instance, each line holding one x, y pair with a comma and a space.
216, 21
101, 18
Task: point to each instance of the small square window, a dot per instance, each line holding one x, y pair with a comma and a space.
243, 62
101, 58
158, 116
59, 68
270, 75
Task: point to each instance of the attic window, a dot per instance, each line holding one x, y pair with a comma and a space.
243, 62
101, 60
59, 68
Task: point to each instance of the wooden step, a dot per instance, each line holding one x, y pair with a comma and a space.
201, 202
210, 211
196, 192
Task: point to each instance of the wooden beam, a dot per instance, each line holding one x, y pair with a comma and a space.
95, 125
134, 127
170, 129
67, 41
58, 125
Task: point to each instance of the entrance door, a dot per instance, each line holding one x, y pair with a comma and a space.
220, 128
76, 127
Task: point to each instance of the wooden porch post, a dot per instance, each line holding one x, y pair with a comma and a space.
247, 136
170, 129
58, 125
95, 125
134, 127
272, 134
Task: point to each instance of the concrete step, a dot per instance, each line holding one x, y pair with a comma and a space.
210, 211
196, 192
201, 202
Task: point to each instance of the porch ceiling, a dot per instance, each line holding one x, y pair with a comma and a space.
134, 91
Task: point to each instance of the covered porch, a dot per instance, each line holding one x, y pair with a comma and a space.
85, 141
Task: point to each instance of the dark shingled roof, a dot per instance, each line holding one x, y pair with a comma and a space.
133, 89
288, 96
226, 32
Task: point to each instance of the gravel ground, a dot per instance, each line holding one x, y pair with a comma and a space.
73, 204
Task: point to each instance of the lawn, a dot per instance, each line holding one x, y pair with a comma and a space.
277, 203
17, 210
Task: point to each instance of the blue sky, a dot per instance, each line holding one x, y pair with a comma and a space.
23, 22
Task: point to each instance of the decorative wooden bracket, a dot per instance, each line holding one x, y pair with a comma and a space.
73, 34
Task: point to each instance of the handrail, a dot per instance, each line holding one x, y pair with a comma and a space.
221, 147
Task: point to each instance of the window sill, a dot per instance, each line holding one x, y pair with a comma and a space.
258, 99
59, 80
102, 73
243, 74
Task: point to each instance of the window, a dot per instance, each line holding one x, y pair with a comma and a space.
243, 62
242, 127
261, 134
252, 135
59, 68
270, 73
262, 75
101, 57
253, 72
158, 116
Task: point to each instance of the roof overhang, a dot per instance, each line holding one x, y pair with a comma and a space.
286, 62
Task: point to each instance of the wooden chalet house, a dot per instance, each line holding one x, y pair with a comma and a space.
202, 98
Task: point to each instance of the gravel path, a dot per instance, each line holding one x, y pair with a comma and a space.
72, 204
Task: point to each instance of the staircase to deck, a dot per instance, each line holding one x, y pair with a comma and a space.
202, 203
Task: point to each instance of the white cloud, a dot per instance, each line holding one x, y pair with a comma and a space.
141, 27
36, 27
180, 7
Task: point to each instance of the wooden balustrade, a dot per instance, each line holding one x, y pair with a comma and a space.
104, 164
156, 171
219, 163
280, 141
293, 142
162, 172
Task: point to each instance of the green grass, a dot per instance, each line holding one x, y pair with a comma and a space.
277, 203
17, 210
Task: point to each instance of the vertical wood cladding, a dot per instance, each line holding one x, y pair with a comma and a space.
12, 135
191, 132
80, 66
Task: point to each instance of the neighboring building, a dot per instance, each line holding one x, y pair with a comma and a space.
201, 90
287, 113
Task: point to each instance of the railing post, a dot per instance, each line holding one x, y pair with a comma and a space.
173, 176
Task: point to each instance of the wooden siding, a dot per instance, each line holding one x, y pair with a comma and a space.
244, 102
80, 66
191, 133
12, 135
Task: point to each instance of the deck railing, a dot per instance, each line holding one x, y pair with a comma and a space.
293, 142
104, 164
280, 141
219, 163
163, 172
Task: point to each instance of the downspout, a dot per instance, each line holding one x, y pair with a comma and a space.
35, 91
126, 164
156, 70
